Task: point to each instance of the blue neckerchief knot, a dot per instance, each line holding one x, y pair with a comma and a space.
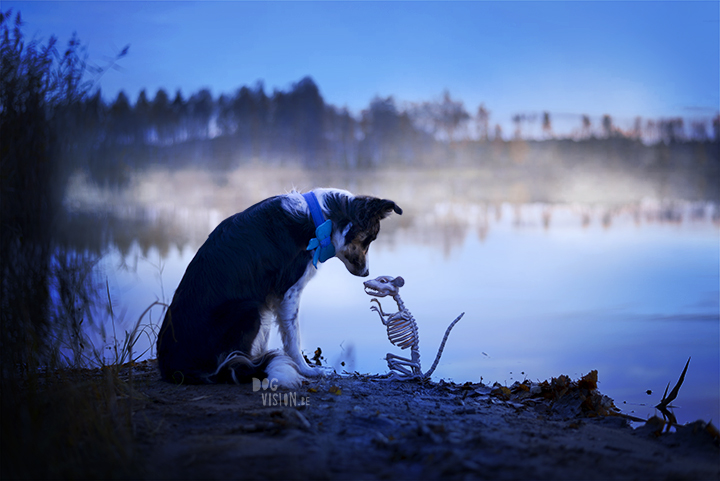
321, 243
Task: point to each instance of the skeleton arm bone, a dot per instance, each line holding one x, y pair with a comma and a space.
380, 312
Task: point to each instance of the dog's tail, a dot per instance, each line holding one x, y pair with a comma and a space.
239, 368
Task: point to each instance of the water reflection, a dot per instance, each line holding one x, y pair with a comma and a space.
179, 209
626, 285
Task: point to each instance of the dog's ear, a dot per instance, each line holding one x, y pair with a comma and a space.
385, 207
368, 211
395, 207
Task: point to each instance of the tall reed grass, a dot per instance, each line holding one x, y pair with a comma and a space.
58, 418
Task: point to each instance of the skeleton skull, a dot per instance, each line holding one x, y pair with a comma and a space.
384, 286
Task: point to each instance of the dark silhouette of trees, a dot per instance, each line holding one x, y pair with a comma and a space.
498, 133
699, 131
518, 120
585, 132
121, 120
482, 121
298, 119
672, 130
143, 118
200, 108
445, 118
389, 136
547, 125
178, 112
607, 126
380, 125
636, 132
451, 116
245, 117
297, 126
160, 116
341, 134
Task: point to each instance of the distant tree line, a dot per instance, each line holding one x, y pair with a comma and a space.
301, 117
297, 125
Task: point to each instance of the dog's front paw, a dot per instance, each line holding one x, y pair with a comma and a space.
310, 371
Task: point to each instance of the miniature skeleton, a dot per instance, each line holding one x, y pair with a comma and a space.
402, 330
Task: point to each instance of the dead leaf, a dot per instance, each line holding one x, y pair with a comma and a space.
589, 381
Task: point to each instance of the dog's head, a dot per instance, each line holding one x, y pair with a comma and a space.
356, 222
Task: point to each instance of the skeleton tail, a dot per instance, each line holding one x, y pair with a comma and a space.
442, 346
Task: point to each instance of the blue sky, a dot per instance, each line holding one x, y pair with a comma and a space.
626, 59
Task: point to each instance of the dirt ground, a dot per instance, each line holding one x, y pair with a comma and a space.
360, 427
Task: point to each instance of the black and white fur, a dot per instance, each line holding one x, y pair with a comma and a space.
250, 272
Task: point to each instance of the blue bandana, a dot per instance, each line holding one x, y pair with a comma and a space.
321, 243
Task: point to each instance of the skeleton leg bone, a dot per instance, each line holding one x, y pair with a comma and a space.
404, 367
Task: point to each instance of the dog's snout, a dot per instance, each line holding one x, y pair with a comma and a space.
360, 273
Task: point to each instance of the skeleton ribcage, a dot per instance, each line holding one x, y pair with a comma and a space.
403, 331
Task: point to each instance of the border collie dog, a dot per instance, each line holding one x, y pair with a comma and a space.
251, 271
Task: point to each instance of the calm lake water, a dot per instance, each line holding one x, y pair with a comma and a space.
596, 275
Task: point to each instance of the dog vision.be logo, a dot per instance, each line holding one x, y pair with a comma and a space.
272, 398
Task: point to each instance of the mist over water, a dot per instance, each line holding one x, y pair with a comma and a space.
594, 272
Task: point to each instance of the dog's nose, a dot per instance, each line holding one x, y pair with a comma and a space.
365, 273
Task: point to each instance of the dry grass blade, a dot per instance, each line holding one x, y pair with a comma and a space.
673, 394
110, 307
666, 400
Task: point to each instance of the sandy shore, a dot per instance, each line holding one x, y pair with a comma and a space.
359, 427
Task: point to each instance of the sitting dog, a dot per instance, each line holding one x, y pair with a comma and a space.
250, 271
